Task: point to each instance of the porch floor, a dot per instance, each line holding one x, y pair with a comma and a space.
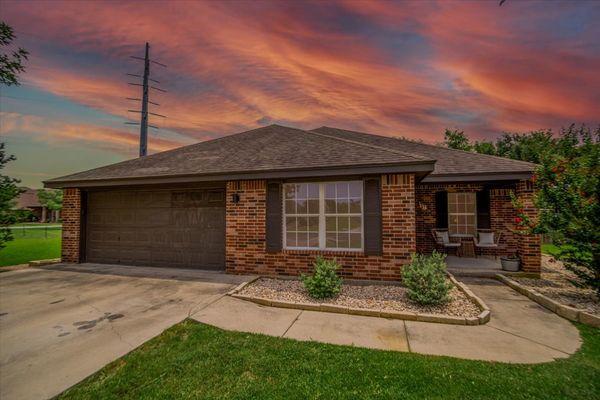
470, 266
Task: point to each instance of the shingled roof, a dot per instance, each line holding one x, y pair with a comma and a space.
271, 151
450, 164
277, 151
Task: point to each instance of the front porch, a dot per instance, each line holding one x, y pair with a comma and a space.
484, 267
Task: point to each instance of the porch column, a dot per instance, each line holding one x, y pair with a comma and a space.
529, 246
43, 219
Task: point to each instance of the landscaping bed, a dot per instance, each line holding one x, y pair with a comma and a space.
555, 283
375, 297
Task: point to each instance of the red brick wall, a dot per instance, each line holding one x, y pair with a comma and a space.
245, 235
71, 216
529, 246
502, 213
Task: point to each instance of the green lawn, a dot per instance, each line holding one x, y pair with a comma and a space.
196, 361
31, 244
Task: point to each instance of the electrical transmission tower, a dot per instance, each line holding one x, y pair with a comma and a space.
145, 99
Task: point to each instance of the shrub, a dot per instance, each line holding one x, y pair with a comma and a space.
324, 282
425, 279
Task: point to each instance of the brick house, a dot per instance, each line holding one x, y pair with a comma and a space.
267, 201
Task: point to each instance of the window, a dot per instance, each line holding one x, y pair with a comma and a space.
462, 214
323, 215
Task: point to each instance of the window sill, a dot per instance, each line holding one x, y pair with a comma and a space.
324, 252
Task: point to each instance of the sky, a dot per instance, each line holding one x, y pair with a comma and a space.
406, 68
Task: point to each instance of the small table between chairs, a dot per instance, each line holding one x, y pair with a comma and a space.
467, 248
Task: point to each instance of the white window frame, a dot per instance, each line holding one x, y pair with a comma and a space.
322, 215
474, 213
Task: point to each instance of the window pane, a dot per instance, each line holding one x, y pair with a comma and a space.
341, 190
290, 224
302, 224
313, 191
290, 207
331, 240
313, 206
313, 240
313, 224
302, 191
330, 224
330, 206
301, 207
289, 191
342, 206
343, 240
290, 239
355, 225
330, 191
302, 240
343, 224
355, 241
355, 189
355, 206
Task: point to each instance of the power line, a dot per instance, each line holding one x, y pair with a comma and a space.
145, 99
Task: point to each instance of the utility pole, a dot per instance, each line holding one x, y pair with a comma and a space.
144, 121
145, 100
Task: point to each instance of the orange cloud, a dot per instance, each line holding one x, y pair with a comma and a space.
60, 133
233, 66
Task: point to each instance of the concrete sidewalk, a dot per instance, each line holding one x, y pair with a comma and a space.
520, 330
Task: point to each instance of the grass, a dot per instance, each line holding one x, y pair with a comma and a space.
196, 361
31, 244
550, 249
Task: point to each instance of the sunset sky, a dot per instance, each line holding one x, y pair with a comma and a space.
407, 68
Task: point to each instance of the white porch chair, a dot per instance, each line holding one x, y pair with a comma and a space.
442, 241
487, 240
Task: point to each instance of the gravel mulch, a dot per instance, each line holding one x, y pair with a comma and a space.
555, 283
374, 297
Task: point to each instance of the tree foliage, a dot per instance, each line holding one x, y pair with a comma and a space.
11, 64
51, 199
8, 192
567, 183
456, 139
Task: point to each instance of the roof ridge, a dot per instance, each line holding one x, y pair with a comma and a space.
416, 157
430, 145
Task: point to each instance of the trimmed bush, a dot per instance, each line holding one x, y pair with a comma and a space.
324, 282
425, 279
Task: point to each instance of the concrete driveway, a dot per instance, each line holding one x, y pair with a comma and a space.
62, 323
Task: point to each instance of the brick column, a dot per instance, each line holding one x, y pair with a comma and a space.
71, 231
529, 246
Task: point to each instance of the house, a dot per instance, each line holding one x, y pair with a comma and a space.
268, 200
28, 200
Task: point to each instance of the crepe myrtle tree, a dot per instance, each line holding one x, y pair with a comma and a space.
567, 185
568, 197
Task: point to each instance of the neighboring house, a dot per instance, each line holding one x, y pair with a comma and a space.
28, 200
267, 201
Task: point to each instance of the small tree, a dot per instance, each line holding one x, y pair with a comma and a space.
11, 65
568, 197
8, 192
51, 199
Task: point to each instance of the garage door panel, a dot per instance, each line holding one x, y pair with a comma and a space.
157, 228
160, 199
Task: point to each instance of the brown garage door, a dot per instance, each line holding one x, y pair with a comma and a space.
165, 228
